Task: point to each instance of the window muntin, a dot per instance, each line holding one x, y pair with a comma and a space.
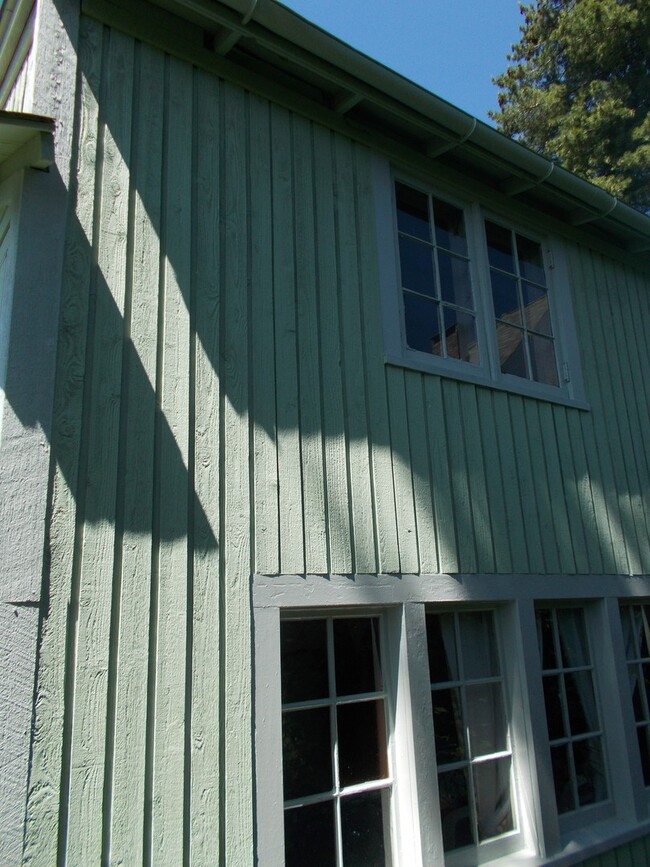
472, 741
337, 784
573, 722
437, 294
636, 634
524, 333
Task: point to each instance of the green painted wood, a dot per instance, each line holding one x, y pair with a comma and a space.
352, 359
543, 496
264, 430
460, 490
471, 431
402, 477
548, 444
237, 677
47, 807
530, 516
99, 573
445, 519
130, 634
206, 711
292, 553
494, 481
335, 457
376, 400
309, 362
169, 617
570, 492
420, 462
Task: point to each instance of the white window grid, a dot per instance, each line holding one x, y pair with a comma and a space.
334, 701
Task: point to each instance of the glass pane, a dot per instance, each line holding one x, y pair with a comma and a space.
644, 631
512, 355
306, 752
545, 633
553, 703
454, 810
441, 642
460, 335
492, 792
573, 637
628, 624
499, 241
422, 324
590, 771
455, 282
303, 648
361, 742
531, 264
356, 655
581, 702
478, 644
309, 836
562, 779
505, 298
644, 749
448, 725
450, 227
365, 825
542, 359
536, 309
486, 725
635, 674
412, 212
416, 260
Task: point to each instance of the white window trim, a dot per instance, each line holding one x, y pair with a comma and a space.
401, 600
487, 373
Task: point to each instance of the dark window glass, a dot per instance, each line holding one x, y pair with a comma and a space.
493, 807
505, 296
499, 241
448, 725
363, 828
357, 656
454, 809
412, 212
309, 837
531, 263
417, 267
450, 227
362, 742
303, 647
422, 322
306, 752
512, 353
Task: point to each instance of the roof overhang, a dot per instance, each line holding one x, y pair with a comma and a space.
273, 44
26, 141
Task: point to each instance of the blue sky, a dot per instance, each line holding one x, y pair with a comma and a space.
451, 47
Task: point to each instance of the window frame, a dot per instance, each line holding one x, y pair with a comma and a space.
403, 600
570, 388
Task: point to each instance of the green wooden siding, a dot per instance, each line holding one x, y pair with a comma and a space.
636, 854
223, 409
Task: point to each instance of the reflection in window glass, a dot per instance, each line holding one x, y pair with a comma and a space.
636, 632
435, 277
571, 711
471, 731
520, 297
334, 743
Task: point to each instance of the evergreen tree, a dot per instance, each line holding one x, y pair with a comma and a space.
578, 91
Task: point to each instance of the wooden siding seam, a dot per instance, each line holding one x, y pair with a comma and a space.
154, 605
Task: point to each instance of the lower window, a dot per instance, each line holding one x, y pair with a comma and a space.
337, 785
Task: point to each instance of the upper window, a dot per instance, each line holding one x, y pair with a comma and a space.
478, 299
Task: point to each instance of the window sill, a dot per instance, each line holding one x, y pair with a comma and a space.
525, 388
581, 845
